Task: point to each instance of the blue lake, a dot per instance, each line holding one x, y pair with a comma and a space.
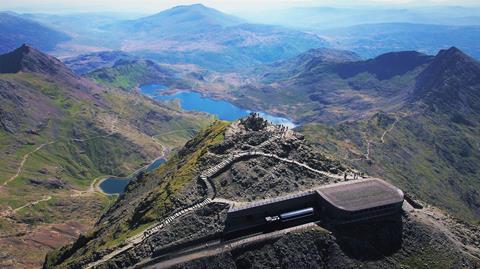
195, 101
155, 165
114, 185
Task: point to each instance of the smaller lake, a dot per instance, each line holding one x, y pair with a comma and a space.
117, 185
196, 102
155, 165
114, 185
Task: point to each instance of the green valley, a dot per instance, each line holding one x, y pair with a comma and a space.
60, 132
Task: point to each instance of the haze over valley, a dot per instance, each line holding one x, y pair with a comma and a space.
237, 135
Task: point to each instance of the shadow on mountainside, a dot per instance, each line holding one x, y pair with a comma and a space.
371, 240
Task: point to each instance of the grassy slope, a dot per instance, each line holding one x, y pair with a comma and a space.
130, 74
427, 155
149, 199
77, 163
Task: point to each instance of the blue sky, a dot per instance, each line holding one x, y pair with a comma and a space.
148, 6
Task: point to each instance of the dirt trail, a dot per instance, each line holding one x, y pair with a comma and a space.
24, 160
44, 199
388, 130
456, 232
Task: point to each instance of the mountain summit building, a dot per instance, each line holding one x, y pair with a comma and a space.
340, 203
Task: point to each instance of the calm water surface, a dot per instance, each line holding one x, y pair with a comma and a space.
116, 185
196, 102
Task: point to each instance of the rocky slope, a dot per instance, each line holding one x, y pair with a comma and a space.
341, 87
87, 63
59, 132
427, 145
185, 201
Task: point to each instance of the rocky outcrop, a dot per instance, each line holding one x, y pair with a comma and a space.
51, 183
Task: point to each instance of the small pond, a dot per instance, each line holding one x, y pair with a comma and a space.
114, 185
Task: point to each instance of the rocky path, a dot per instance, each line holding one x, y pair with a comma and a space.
44, 199
10, 212
389, 129
458, 233
24, 160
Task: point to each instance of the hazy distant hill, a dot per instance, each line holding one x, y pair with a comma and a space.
182, 20
370, 40
201, 35
15, 30
324, 17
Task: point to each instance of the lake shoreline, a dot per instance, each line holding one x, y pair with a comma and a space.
99, 180
199, 101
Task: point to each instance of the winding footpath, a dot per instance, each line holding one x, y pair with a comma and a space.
45, 199
24, 160
388, 130
211, 193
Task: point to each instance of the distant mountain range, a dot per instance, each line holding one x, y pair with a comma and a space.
180, 21
201, 35
86, 63
370, 40
324, 17
16, 30
196, 34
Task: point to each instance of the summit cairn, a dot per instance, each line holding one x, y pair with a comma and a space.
254, 122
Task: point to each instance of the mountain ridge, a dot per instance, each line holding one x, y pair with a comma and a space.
451, 81
28, 59
16, 30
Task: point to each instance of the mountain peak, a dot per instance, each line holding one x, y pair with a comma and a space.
453, 55
451, 79
28, 59
198, 6
186, 19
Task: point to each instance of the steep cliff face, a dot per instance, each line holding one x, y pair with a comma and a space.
451, 83
181, 208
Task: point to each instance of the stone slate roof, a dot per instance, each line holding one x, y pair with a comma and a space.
361, 194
